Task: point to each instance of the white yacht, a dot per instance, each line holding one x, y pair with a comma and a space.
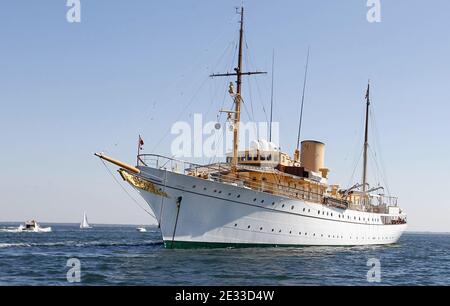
262, 196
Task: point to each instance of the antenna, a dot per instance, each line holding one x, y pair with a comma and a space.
271, 97
303, 100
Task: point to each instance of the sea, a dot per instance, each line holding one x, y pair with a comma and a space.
120, 255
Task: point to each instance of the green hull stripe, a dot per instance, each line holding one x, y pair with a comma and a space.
214, 245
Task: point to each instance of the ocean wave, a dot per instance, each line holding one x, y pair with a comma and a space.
81, 244
12, 245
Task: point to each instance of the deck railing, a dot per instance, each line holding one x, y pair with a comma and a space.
220, 172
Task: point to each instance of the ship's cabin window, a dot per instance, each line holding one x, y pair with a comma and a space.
263, 158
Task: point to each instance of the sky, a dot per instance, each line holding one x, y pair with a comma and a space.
68, 90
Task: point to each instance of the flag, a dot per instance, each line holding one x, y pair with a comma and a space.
141, 142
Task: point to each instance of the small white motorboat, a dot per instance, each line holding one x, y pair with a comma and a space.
33, 227
141, 229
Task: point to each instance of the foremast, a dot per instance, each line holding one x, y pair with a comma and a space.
238, 96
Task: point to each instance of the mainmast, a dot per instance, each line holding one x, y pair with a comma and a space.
366, 139
238, 96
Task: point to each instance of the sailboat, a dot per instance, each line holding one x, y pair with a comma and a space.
85, 224
262, 196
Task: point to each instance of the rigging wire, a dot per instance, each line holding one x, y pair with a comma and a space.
126, 191
252, 67
356, 164
180, 114
378, 149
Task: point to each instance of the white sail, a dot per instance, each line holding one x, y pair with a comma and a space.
85, 223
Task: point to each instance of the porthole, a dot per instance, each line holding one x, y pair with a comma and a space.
215, 190
304, 209
248, 226
220, 191
309, 210
290, 232
306, 234
254, 200
299, 233
238, 195
204, 188
323, 213
292, 207
260, 228
273, 230
235, 224
262, 201
229, 193
273, 203
327, 213
194, 186
318, 212
279, 231
332, 214
282, 205
314, 234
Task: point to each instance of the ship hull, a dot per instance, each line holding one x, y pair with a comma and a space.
194, 212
